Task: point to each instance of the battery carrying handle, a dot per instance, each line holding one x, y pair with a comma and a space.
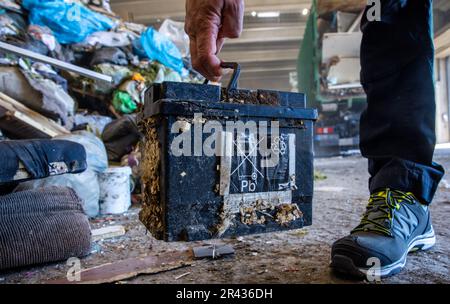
232, 85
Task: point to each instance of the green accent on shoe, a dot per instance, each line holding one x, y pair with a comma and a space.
380, 211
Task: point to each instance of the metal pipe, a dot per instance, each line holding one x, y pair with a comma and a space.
54, 62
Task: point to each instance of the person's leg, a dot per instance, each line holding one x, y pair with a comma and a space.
398, 126
398, 139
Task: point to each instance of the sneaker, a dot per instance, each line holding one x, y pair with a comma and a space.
394, 224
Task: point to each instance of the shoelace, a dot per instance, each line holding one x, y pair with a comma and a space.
383, 205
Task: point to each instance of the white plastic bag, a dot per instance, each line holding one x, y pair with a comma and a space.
175, 31
85, 185
96, 123
109, 39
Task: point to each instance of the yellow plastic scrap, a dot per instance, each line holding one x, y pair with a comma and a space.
138, 77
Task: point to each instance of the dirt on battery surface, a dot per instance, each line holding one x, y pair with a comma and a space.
299, 256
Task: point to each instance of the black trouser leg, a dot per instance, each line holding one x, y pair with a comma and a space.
398, 126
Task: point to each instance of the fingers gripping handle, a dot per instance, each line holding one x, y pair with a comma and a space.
234, 77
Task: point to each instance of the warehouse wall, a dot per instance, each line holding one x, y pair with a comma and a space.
442, 100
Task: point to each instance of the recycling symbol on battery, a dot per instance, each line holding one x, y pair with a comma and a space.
279, 145
247, 158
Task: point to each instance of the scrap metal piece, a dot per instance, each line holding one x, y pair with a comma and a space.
212, 251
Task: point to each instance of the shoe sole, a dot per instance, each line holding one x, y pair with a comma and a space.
345, 265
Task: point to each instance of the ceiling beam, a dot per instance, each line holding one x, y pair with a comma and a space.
259, 56
280, 5
266, 73
442, 5
270, 34
143, 11
267, 68
325, 6
442, 44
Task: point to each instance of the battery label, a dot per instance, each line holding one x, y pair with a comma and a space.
248, 171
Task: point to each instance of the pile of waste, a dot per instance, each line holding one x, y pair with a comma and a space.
42, 100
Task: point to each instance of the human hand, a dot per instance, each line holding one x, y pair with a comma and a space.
208, 23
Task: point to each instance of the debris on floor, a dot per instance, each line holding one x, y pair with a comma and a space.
107, 232
213, 251
329, 189
444, 184
129, 268
182, 275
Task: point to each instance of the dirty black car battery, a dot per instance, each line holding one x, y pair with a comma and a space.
223, 162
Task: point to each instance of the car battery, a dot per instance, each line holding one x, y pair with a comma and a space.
223, 162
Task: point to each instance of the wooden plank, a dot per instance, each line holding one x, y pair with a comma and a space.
14, 125
28, 120
16, 115
129, 268
19, 106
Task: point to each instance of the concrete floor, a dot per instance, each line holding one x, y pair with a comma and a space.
300, 256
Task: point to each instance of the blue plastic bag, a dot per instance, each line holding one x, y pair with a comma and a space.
160, 48
70, 22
